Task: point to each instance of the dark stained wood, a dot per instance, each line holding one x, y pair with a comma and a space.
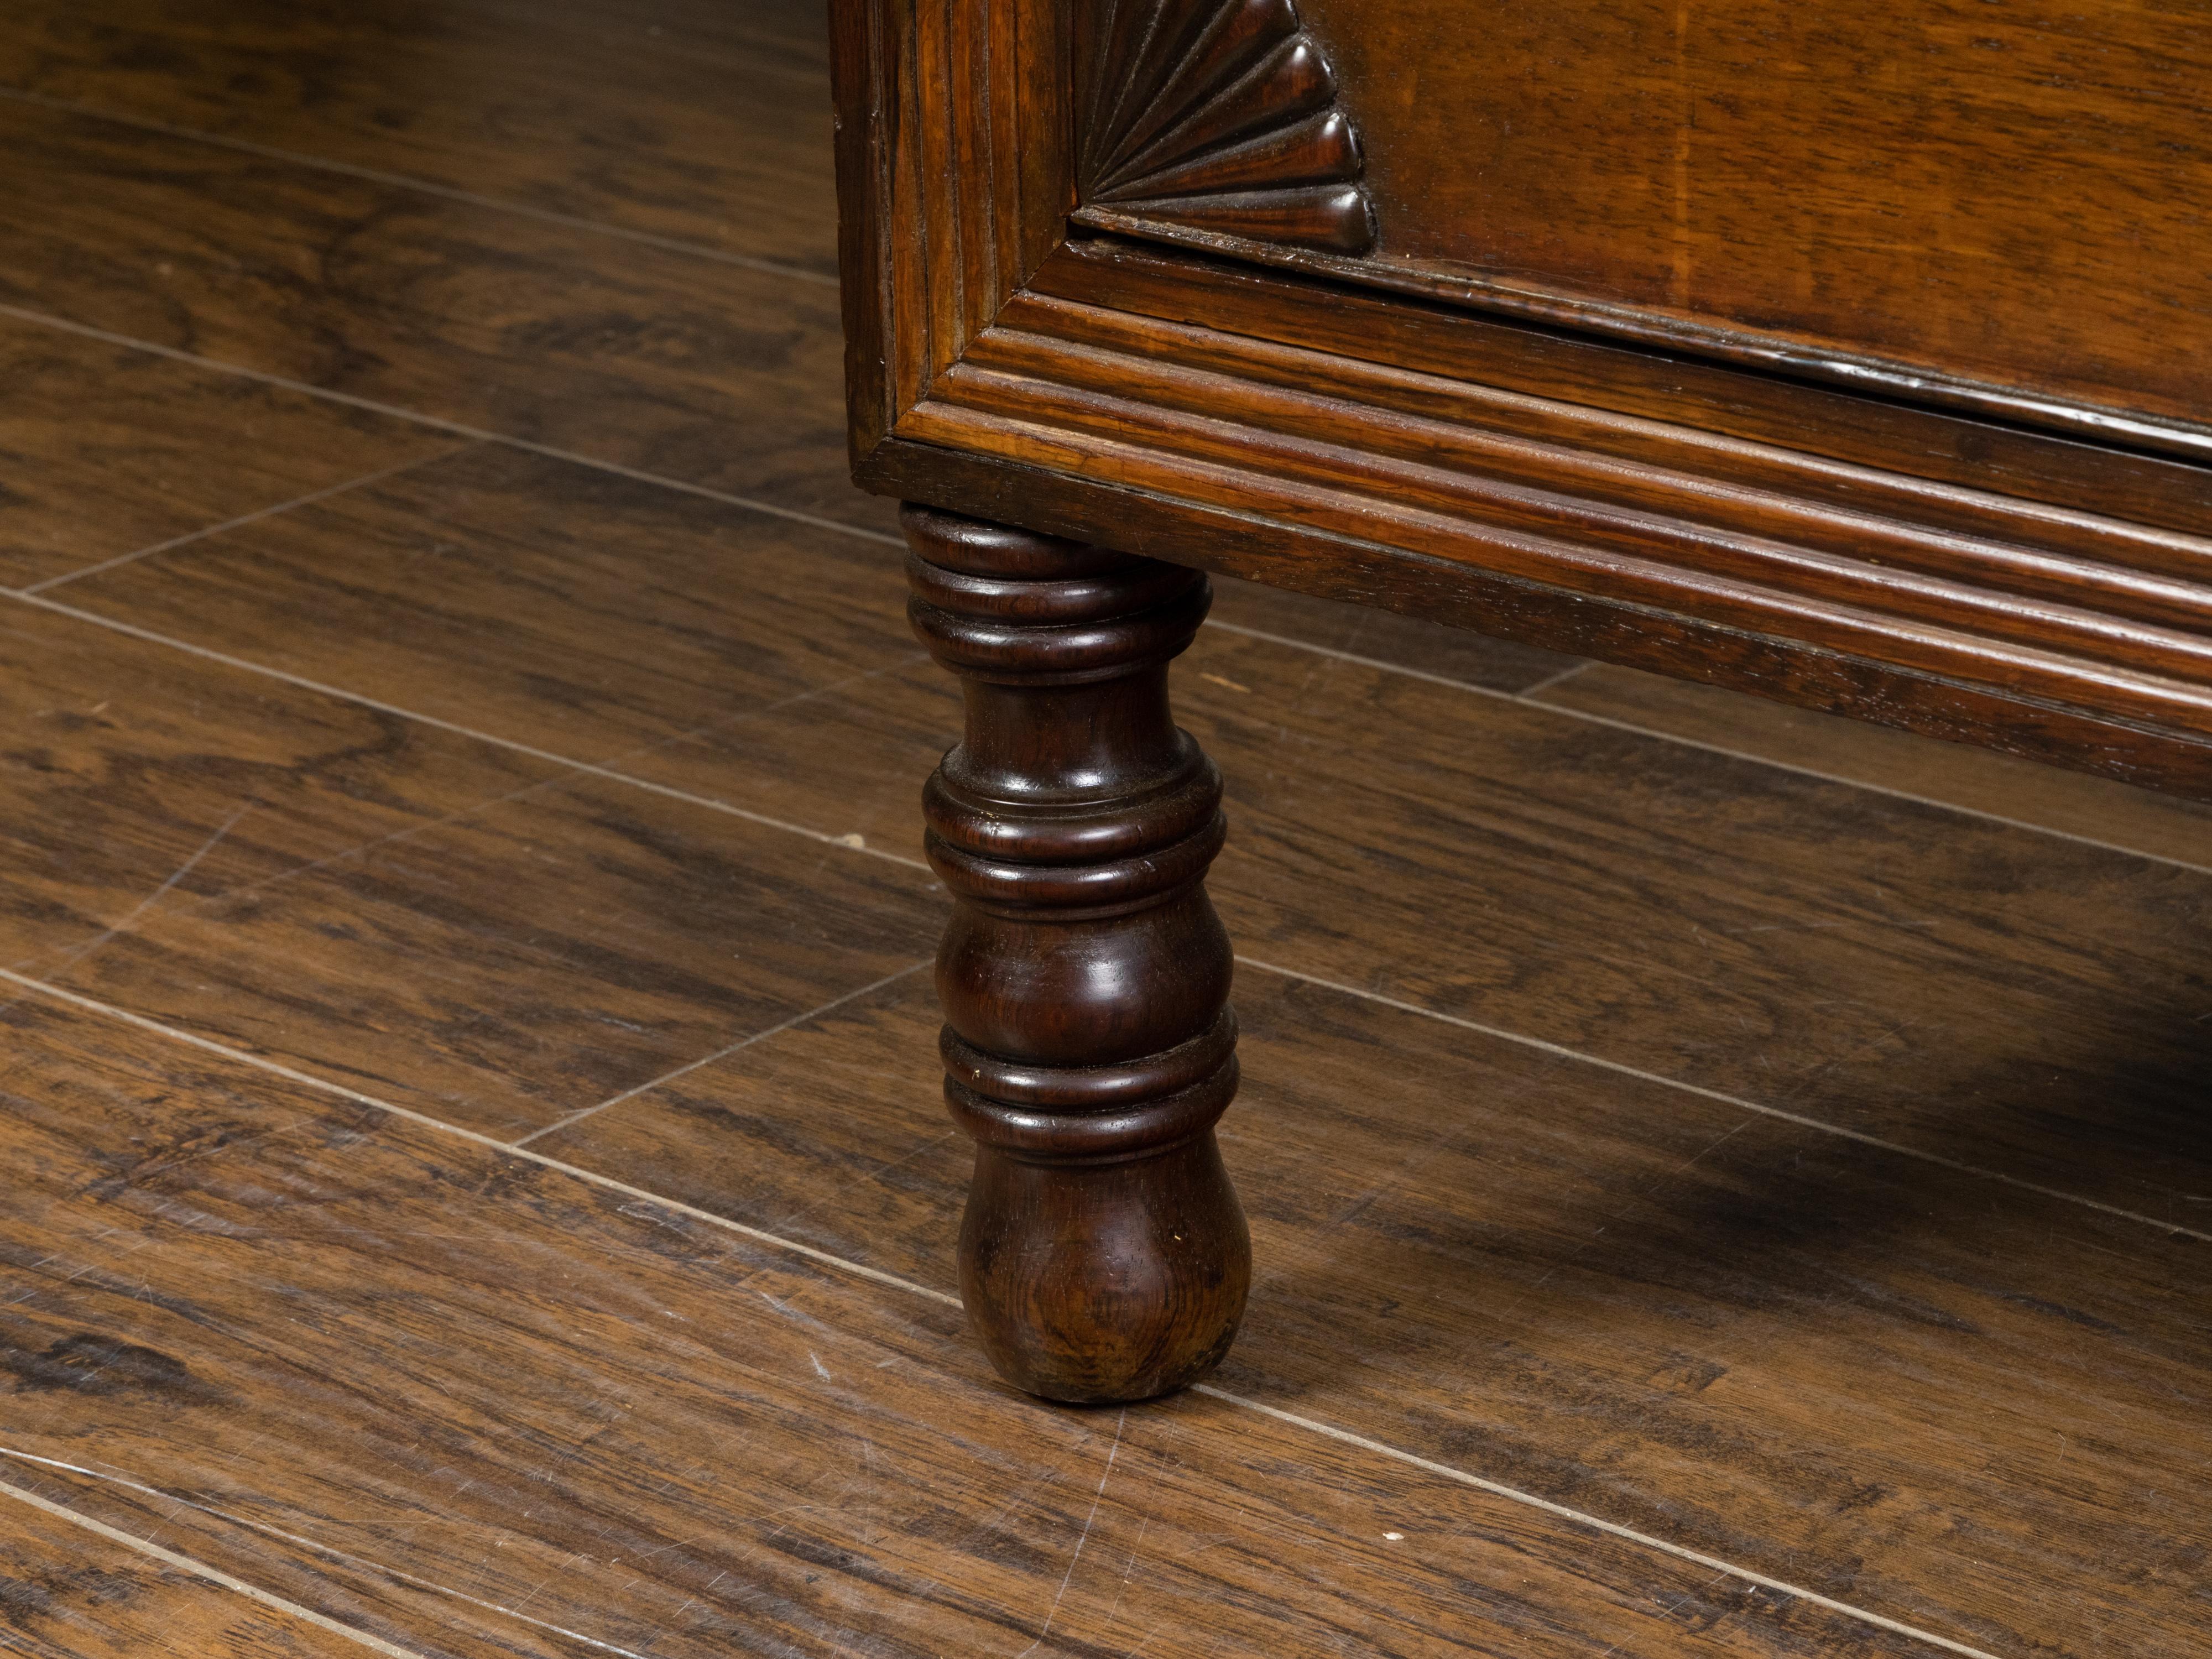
1413, 642
1948, 983
134, 778
981, 198
2092, 808
357, 847
1935, 1394
1877, 441
1868, 551
1583, 623
1874, 1376
710, 374
1782, 960
522, 1405
545, 603
2006, 194
2067, 610
1222, 118
635, 935
67, 1592
105, 451
704, 123
881, 732
1441, 847
1089, 1046
1941, 981
2140, 820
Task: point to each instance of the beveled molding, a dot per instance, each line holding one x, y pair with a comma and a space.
1902, 561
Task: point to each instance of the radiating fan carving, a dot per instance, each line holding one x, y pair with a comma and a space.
1219, 115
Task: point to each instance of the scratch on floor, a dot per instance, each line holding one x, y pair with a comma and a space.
1707, 1147
1097, 1497
154, 897
1129, 1570
320, 1548
201, 1569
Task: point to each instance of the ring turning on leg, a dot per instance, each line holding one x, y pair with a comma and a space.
1089, 1047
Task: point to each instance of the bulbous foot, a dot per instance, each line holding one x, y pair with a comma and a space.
1089, 1047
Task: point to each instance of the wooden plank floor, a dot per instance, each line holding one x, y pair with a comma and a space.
476, 1181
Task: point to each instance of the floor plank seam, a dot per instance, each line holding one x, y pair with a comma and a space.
231, 894
77, 954
309, 1080
588, 767
849, 844
877, 1275
422, 187
185, 1564
1627, 1535
690, 1066
884, 538
1528, 693
1528, 699
439, 424
2170, 1229
523, 1382
245, 519
336, 1554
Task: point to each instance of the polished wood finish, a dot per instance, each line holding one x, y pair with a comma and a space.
698, 122
2090, 808
335, 592
1730, 198
2000, 195
477, 1405
1160, 290
1089, 1047
1223, 119
831, 1135
2021, 571
68, 1591
1614, 1294
1389, 832
435, 1390
636, 356
134, 451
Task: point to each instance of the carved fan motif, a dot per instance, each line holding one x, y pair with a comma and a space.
1221, 115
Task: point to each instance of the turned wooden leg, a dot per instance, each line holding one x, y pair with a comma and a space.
1089, 1047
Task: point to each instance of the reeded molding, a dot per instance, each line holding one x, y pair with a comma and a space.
1220, 116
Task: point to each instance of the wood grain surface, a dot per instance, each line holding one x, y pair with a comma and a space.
1666, 1144
710, 374
111, 451
1594, 376
1831, 1357
633, 935
1089, 1044
2000, 194
1684, 926
68, 1592
2004, 1012
1693, 958
2006, 565
537, 600
1360, 630
2094, 809
655, 1433
134, 776
704, 123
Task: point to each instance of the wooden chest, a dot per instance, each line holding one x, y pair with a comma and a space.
1859, 357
